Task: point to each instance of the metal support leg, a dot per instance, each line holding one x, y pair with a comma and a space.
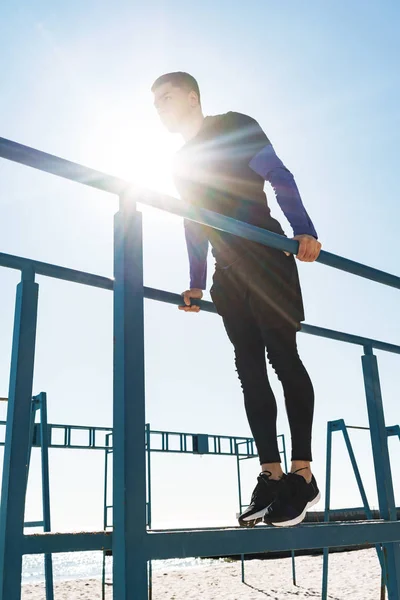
105, 513
360, 485
44, 440
383, 476
129, 455
327, 508
148, 451
293, 554
240, 502
17, 438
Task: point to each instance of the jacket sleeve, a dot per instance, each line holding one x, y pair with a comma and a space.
197, 248
269, 166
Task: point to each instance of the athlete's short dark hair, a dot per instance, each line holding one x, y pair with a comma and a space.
178, 79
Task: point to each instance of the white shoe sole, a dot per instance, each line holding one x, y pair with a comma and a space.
258, 515
300, 518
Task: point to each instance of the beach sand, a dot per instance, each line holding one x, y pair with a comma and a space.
352, 575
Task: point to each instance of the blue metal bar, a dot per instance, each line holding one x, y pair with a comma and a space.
31, 437
17, 437
240, 503
327, 507
106, 454
148, 456
49, 163
33, 524
340, 425
356, 472
129, 455
75, 172
361, 489
105, 515
48, 564
349, 338
393, 430
224, 542
387, 506
217, 542
20, 263
49, 270
42, 543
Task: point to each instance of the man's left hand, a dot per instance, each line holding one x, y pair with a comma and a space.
309, 248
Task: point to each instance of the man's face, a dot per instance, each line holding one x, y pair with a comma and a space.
173, 105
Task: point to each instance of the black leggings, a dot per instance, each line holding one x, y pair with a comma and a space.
249, 343
254, 323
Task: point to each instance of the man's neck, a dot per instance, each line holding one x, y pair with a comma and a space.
192, 127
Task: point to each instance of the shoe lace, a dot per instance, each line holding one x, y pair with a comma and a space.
263, 479
292, 483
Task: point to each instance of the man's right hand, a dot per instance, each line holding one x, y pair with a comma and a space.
192, 293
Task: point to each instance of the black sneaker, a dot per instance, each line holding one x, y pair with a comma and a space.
263, 496
294, 499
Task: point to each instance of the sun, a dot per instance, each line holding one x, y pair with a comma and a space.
132, 144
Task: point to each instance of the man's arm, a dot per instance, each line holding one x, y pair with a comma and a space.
197, 247
269, 166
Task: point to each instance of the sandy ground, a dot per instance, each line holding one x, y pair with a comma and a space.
352, 575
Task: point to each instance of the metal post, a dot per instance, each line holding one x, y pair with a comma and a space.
240, 500
48, 563
17, 438
129, 454
360, 485
356, 471
383, 476
105, 513
148, 451
324, 594
282, 436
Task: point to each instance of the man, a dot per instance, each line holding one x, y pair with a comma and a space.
222, 167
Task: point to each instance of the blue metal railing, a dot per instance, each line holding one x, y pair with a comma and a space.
132, 545
340, 425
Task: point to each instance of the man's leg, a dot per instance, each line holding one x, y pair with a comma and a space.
259, 399
298, 391
299, 491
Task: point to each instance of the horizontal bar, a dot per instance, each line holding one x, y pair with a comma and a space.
179, 543
42, 543
87, 428
349, 338
210, 452
33, 524
260, 235
69, 170
30, 157
49, 270
222, 542
73, 447
393, 430
357, 427
40, 268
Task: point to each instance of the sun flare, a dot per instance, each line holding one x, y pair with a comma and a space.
131, 143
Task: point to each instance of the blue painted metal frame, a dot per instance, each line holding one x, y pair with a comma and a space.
39, 403
383, 475
340, 425
44, 442
132, 546
129, 460
16, 449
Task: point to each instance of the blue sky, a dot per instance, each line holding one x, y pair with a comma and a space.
322, 80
